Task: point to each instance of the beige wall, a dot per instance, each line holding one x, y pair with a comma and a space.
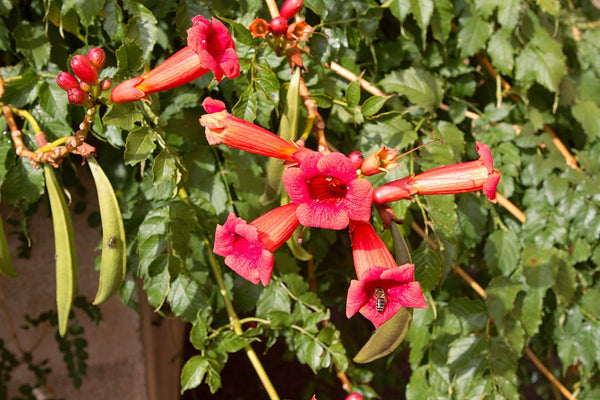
118, 365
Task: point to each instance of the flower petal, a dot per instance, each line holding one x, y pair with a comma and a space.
402, 274
337, 165
358, 200
357, 297
408, 295
318, 215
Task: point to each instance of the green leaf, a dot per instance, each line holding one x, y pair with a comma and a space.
422, 11
140, 144
386, 338
473, 35
502, 51
129, 59
542, 61
166, 174
113, 21
400, 9
501, 295
508, 13
428, 267
353, 93
587, 114
501, 252
552, 7
272, 298
441, 22
186, 297
141, 27
246, 106
123, 115
193, 372
372, 105
540, 266
23, 90
418, 85
23, 183
33, 43
54, 102
87, 10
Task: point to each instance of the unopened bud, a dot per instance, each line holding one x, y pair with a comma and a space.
354, 396
259, 28
77, 96
66, 81
291, 8
105, 84
84, 69
85, 87
278, 25
356, 158
96, 56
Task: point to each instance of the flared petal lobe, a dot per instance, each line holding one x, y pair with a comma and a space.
214, 46
449, 179
395, 285
222, 127
248, 248
328, 191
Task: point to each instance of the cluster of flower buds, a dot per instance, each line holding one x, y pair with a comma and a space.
279, 26
86, 68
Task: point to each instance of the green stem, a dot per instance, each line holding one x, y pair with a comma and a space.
237, 326
27, 116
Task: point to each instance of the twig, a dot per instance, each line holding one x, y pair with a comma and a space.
511, 208
273, 9
536, 361
318, 125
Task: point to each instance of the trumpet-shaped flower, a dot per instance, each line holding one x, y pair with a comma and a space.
449, 179
210, 48
396, 286
328, 191
368, 249
248, 247
222, 127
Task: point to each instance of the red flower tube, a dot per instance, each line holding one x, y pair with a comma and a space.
449, 179
210, 48
368, 249
222, 127
248, 247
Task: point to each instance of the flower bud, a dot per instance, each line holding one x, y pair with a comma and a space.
105, 84
356, 158
96, 56
85, 87
291, 8
77, 96
66, 81
84, 69
278, 25
354, 396
259, 28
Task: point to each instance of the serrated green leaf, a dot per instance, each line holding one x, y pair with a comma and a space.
441, 22
54, 101
129, 58
418, 85
502, 251
23, 183
140, 144
473, 34
186, 297
502, 51
246, 106
587, 114
193, 372
508, 13
552, 7
86, 9
141, 27
540, 266
113, 21
33, 43
422, 11
22, 90
400, 9
123, 115
428, 268
542, 60
166, 174
272, 298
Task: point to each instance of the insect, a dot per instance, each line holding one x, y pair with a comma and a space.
380, 299
112, 241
